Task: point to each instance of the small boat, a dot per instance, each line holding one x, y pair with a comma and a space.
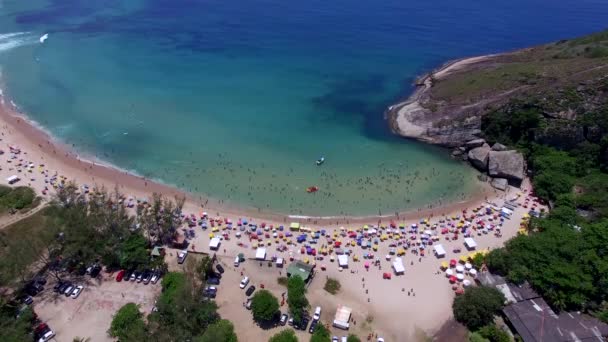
312, 189
320, 161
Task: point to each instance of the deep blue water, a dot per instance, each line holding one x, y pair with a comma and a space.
235, 100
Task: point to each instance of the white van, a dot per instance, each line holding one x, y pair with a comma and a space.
236, 262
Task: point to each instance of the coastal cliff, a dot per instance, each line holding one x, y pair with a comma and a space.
449, 103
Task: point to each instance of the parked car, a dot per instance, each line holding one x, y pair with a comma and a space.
181, 256
140, 277
147, 277
317, 314
290, 321
94, 270
248, 304
210, 292
219, 268
250, 290
213, 281
304, 323
77, 291
335, 339
27, 300
284, 319
313, 325
43, 333
120, 275
134, 276
244, 282
68, 290
155, 277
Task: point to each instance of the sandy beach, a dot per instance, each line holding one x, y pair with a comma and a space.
419, 299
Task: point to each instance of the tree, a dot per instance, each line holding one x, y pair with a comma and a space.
128, 324
264, 306
353, 338
220, 331
321, 334
477, 306
296, 290
287, 335
492, 333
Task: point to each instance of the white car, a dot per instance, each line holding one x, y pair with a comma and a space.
47, 336
77, 291
244, 282
380, 339
154, 278
317, 314
181, 256
335, 339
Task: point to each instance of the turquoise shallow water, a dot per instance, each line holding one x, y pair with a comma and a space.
236, 100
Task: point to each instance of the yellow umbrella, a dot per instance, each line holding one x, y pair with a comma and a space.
463, 259
211, 235
444, 264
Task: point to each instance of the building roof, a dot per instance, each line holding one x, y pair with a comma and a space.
342, 316
300, 269
534, 321
157, 251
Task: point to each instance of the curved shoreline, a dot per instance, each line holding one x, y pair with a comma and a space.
84, 169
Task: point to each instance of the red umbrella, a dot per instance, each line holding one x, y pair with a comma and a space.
453, 279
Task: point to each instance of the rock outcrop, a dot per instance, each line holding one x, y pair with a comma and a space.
506, 164
499, 147
479, 157
499, 183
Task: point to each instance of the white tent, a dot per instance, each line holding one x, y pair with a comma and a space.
260, 254
470, 243
279, 262
398, 266
439, 251
342, 317
214, 244
343, 260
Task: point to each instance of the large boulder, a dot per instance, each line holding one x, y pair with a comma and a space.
479, 157
499, 183
474, 143
506, 164
499, 147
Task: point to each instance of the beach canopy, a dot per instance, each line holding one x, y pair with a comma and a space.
466, 282
449, 272
468, 266
260, 254
294, 226
214, 243
460, 276
439, 251
470, 243
343, 260
342, 317
473, 272
398, 266
459, 269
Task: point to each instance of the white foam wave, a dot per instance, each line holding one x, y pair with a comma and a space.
9, 41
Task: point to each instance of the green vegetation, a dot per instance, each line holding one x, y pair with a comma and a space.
283, 281
220, 331
19, 198
564, 257
477, 306
296, 297
287, 335
332, 286
14, 329
321, 334
493, 334
264, 306
353, 338
128, 324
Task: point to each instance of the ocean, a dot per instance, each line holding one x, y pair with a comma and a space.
235, 100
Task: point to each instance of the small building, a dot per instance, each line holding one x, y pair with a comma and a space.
470, 244
279, 262
300, 269
534, 321
260, 254
294, 226
214, 244
342, 317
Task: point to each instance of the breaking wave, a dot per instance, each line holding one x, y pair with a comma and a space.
9, 41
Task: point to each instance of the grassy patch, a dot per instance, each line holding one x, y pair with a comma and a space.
19, 198
332, 286
22, 243
283, 281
